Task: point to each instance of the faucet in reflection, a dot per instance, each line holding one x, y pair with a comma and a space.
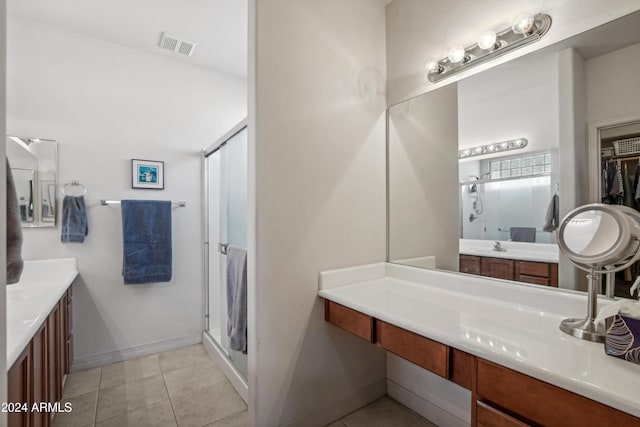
498, 247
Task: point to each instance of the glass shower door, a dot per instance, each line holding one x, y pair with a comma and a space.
227, 226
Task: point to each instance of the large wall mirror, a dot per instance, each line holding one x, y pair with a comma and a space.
459, 201
33, 164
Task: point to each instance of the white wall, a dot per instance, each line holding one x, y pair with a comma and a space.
516, 100
572, 133
422, 29
3, 215
106, 104
423, 179
612, 84
319, 153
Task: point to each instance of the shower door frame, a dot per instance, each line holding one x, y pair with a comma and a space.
214, 348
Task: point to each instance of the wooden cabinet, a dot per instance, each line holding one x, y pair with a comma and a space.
501, 397
426, 353
19, 389
498, 268
470, 264
540, 403
39, 381
538, 273
488, 416
68, 334
350, 320
36, 377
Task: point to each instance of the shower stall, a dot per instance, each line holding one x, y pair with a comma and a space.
225, 225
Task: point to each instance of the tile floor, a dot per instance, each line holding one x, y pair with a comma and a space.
183, 388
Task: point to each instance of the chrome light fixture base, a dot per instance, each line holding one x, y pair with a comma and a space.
583, 329
506, 41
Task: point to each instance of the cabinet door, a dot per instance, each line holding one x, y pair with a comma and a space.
498, 268
69, 335
39, 376
19, 389
470, 264
54, 360
63, 338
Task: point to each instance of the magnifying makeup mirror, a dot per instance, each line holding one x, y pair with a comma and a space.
599, 239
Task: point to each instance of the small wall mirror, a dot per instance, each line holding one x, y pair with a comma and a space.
600, 239
34, 167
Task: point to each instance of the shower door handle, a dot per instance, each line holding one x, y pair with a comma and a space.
222, 247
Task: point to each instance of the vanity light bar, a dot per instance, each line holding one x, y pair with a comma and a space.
497, 147
526, 30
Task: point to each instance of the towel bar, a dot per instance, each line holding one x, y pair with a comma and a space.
105, 202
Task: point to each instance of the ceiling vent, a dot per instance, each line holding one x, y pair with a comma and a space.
176, 44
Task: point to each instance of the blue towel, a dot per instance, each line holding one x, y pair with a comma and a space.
146, 237
74, 220
237, 298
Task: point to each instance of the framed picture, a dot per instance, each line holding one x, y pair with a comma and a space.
147, 174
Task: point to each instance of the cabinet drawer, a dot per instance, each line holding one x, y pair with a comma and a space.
533, 279
492, 417
543, 403
350, 320
529, 268
428, 354
470, 264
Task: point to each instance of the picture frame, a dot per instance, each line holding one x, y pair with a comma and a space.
147, 174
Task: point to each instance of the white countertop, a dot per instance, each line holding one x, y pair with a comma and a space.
514, 325
537, 252
30, 301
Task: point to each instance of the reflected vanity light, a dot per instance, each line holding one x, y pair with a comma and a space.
496, 147
526, 29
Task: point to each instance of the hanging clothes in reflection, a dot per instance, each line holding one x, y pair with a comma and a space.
636, 184
620, 182
615, 185
628, 189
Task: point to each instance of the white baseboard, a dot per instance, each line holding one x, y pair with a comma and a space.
426, 409
225, 364
342, 407
96, 360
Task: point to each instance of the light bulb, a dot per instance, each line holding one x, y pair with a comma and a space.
505, 145
466, 152
478, 150
431, 65
492, 148
456, 54
487, 40
522, 23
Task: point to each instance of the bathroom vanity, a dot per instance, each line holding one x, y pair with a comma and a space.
535, 263
499, 341
39, 339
